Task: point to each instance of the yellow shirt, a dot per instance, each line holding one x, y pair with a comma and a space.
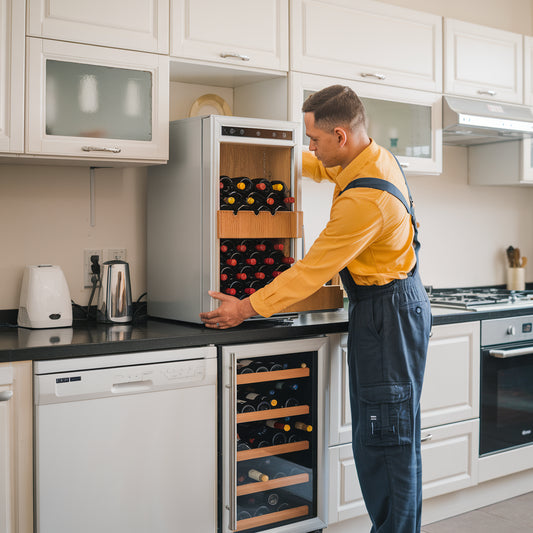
369, 232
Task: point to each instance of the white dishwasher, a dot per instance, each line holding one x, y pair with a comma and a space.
126, 443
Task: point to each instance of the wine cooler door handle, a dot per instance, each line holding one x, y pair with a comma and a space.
233, 444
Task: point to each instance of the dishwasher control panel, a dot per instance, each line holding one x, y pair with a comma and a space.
109, 382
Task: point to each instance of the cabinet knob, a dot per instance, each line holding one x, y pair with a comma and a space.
6, 395
511, 330
427, 437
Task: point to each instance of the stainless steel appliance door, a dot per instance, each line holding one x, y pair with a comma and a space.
506, 397
129, 449
295, 499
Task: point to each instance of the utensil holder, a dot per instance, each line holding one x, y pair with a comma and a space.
516, 279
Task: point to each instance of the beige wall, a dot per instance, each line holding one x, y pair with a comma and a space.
44, 210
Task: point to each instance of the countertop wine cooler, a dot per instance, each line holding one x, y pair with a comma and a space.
273, 456
223, 214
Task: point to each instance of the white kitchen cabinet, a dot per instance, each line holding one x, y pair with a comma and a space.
16, 448
244, 33
449, 463
451, 381
11, 76
449, 457
129, 24
482, 62
405, 121
510, 164
340, 418
449, 418
367, 41
95, 103
528, 70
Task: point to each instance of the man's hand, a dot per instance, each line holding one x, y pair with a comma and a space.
229, 314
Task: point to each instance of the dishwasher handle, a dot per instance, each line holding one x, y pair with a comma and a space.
129, 387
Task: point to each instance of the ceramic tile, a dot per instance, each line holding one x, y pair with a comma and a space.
477, 521
518, 510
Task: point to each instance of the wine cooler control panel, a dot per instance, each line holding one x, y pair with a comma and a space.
257, 133
276, 429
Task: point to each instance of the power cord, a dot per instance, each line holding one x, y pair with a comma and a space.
95, 280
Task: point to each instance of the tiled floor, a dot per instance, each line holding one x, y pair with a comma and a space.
514, 515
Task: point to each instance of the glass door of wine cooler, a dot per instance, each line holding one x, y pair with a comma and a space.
273, 437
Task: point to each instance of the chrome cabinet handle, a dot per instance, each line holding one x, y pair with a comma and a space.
488, 92
372, 75
404, 165
427, 437
101, 149
6, 395
235, 55
504, 354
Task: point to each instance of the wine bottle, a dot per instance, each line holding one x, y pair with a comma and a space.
252, 365
226, 185
278, 424
244, 185
260, 402
241, 445
288, 401
262, 185
286, 386
302, 426
254, 434
232, 200
244, 407
278, 186
256, 475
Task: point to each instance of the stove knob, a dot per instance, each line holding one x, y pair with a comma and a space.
511, 330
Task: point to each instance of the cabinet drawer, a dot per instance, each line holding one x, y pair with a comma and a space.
450, 458
451, 383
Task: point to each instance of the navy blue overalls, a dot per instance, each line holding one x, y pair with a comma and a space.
389, 328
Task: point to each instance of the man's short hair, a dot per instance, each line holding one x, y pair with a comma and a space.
334, 106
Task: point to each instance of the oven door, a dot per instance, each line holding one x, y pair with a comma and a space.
506, 397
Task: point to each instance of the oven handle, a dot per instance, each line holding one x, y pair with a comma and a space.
504, 354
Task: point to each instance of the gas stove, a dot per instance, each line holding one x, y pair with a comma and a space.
480, 299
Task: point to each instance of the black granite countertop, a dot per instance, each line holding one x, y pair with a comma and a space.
89, 338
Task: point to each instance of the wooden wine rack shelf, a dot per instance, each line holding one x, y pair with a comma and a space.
268, 414
271, 484
270, 518
268, 451
275, 375
264, 225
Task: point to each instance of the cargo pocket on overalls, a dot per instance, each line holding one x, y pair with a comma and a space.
387, 414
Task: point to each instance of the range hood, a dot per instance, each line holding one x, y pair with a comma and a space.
466, 122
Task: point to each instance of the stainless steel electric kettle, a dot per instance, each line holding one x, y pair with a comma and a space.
114, 295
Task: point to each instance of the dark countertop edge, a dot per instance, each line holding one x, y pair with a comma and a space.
156, 334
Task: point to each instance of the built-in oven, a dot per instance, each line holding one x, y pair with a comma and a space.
506, 418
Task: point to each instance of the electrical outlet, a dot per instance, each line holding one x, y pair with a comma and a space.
87, 270
115, 253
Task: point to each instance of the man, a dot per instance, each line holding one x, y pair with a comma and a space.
371, 238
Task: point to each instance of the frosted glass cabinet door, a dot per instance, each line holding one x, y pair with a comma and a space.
405, 121
87, 101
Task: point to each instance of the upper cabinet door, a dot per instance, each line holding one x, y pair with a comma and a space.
367, 41
248, 33
11, 76
95, 103
482, 62
129, 24
528, 70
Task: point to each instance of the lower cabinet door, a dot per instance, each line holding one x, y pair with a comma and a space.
449, 457
449, 463
345, 498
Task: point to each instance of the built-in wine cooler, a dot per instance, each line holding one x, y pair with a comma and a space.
273, 462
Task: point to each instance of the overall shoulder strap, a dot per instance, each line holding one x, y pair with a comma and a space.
380, 184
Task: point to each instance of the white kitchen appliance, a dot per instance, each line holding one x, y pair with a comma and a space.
44, 298
126, 443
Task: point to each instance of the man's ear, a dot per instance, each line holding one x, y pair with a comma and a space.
342, 136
